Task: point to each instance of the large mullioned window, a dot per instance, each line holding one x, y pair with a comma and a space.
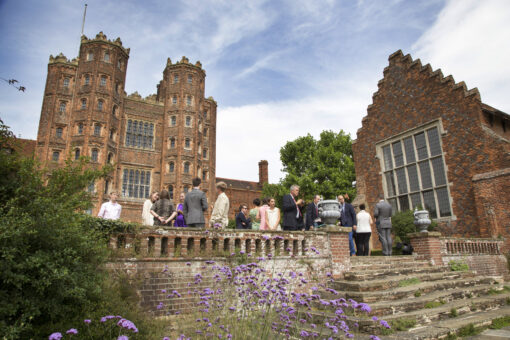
414, 173
139, 134
136, 183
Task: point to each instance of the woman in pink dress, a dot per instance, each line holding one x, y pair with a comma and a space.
261, 215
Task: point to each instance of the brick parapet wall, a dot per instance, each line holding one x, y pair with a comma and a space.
428, 245
168, 259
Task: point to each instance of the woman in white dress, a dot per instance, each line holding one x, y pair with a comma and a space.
147, 218
273, 215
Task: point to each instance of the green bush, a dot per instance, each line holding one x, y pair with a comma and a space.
458, 266
403, 223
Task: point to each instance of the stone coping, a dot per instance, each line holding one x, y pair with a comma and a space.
321, 231
424, 234
473, 239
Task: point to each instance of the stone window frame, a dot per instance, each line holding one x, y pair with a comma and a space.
395, 198
77, 153
59, 132
205, 153
136, 182
171, 166
189, 100
171, 144
106, 57
139, 134
173, 120
176, 79
204, 175
83, 105
66, 82
94, 155
103, 80
190, 79
174, 100
109, 158
62, 107
80, 128
55, 156
86, 79
188, 121
100, 105
187, 143
186, 167
90, 56
97, 130
119, 64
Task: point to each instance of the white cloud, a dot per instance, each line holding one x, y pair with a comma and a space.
471, 41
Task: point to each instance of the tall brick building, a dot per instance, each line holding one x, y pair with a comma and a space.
429, 141
161, 141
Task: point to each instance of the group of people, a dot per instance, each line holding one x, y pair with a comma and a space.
159, 210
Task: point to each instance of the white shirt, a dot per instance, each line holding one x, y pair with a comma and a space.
147, 218
364, 221
110, 211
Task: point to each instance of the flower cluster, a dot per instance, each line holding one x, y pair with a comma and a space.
123, 324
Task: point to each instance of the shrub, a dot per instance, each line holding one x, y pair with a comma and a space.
403, 324
409, 282
500, 322
458, 266
453, 313
434, 304
403, 223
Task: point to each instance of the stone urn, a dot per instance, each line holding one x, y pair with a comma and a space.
329, 212
422, 220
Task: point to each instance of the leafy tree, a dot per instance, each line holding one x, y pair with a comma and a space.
324, 166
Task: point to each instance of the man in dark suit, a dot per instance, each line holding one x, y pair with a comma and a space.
195, 203
382, 213
312, 214
291, 209
348, 219
242, 219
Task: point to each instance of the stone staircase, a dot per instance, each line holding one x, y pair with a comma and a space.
422, 300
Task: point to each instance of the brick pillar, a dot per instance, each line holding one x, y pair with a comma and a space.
157, 246
428, 245
339, 244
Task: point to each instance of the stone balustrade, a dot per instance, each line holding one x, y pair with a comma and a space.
471, 246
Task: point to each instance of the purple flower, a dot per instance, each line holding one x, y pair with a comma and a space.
163, 290
328, 274
241, 252
232, 308
304, 333
72, 331
375, 318
364, 307
160, 306
374, 337
188, 263
384, 324
55, 336
122, 337
166, 338
87, 321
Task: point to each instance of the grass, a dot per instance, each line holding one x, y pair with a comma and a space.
417, 293
453, 313
458, 266
494, 291
451, 336
409, 282
470, 330
403, 324
500, 322
434, 304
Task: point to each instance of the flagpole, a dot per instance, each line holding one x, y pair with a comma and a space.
83, 22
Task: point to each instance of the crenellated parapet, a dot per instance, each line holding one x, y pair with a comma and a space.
184, 62
62, 59
101, 37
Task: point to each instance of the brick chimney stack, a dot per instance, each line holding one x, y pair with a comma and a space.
263, 173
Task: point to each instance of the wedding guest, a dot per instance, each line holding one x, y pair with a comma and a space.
163, 209
147, 218
219, 214
180, 221
261, 215
382, 213
111, 210
363, 231
195, 204
312, 214
242, 219
348, 219
273, 215
255, 222
292, 209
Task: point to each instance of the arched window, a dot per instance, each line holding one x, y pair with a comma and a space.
95, 155
66, 82
185, 189
199, 151
173, 121
97, 129
205, 114
112, 134
106, 185
90, 56
117, 88
110, 158
59, 132
187, 143
114, 110
77, 154
80, 128
87, 80
62, 107
83, 104
106, 57
171, 167
190, 79
171, 191
204, 175
205, 132
100, 105
188, 121
188, 100
176, 78
102, 81
56, 155
92, 187
186, 167
119, 64
204, 153
174, 99
172, 143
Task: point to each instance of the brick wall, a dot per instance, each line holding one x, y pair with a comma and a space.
169, 259
411, 95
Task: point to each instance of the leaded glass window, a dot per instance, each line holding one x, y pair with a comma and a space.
139, 134
136, 183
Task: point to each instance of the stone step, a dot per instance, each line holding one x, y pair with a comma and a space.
427, 316
442, 296
372, 274
443, 328
385, 259
398, 265
396, 281
409, 292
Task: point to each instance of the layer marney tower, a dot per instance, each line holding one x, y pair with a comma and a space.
82, 107
189, 132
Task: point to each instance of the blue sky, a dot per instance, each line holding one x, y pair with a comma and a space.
278, 69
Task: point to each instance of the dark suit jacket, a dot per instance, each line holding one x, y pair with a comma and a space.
194, 206
289, 212
311, 214
242, 222
348, 217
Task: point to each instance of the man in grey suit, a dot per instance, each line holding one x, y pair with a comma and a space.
195, 203
382, 213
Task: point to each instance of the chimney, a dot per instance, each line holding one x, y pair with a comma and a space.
263, 173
